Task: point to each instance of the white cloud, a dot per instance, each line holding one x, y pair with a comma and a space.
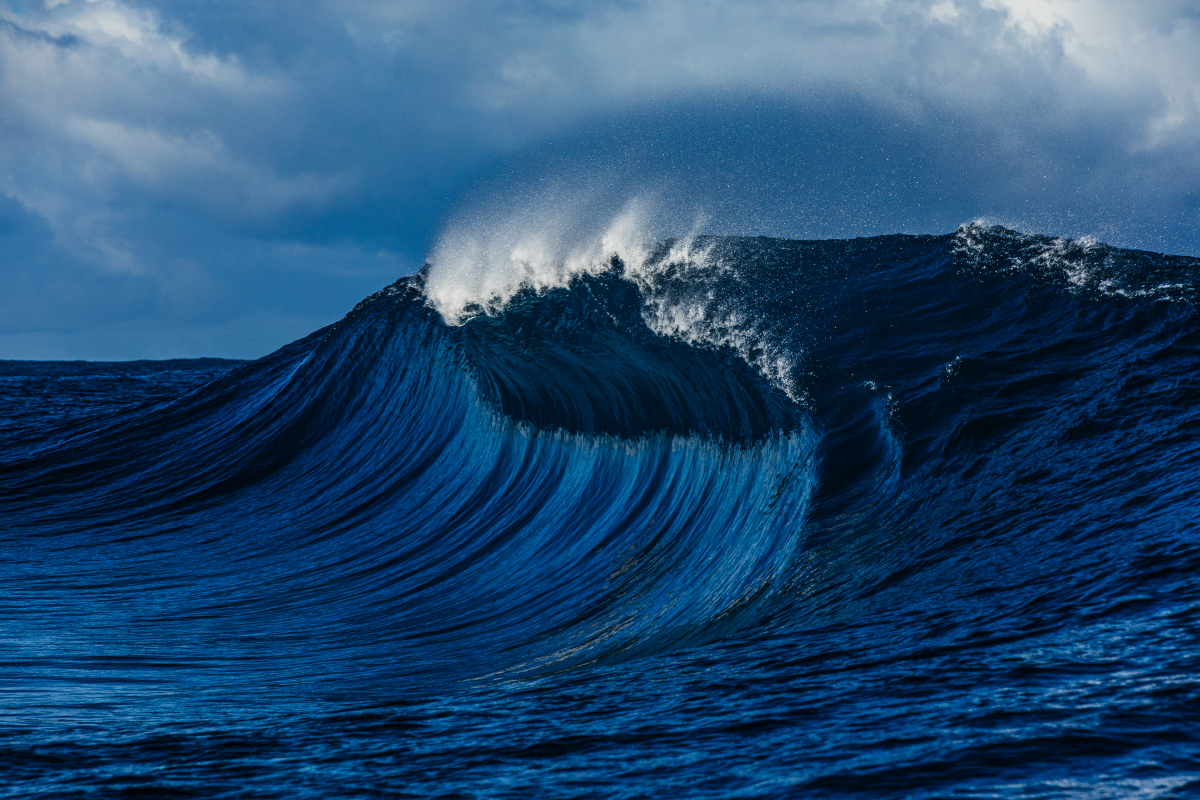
1125, 47
550, 66
197, 168
138, 36
100, 96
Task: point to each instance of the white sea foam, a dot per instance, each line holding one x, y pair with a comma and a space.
1086, 264
483, 260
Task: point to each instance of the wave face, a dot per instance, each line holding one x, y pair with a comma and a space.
903, 516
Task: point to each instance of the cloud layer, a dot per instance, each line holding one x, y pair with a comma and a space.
219, 179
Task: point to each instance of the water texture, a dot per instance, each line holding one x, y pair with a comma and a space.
910, 516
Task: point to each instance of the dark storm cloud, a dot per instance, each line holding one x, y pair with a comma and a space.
220, 178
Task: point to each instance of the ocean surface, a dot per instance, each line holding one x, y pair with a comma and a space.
907, 516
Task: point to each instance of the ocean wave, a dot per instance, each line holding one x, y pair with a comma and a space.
590, 462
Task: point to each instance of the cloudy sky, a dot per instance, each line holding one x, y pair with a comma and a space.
220, 178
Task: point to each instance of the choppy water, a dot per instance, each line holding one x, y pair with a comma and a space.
892, 517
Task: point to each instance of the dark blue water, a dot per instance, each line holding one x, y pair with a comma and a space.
893, 517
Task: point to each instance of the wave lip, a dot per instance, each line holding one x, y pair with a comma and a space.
584, 359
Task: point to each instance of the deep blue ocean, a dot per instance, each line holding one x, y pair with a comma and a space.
898, 517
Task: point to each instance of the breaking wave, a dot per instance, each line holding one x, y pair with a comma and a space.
552, 453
